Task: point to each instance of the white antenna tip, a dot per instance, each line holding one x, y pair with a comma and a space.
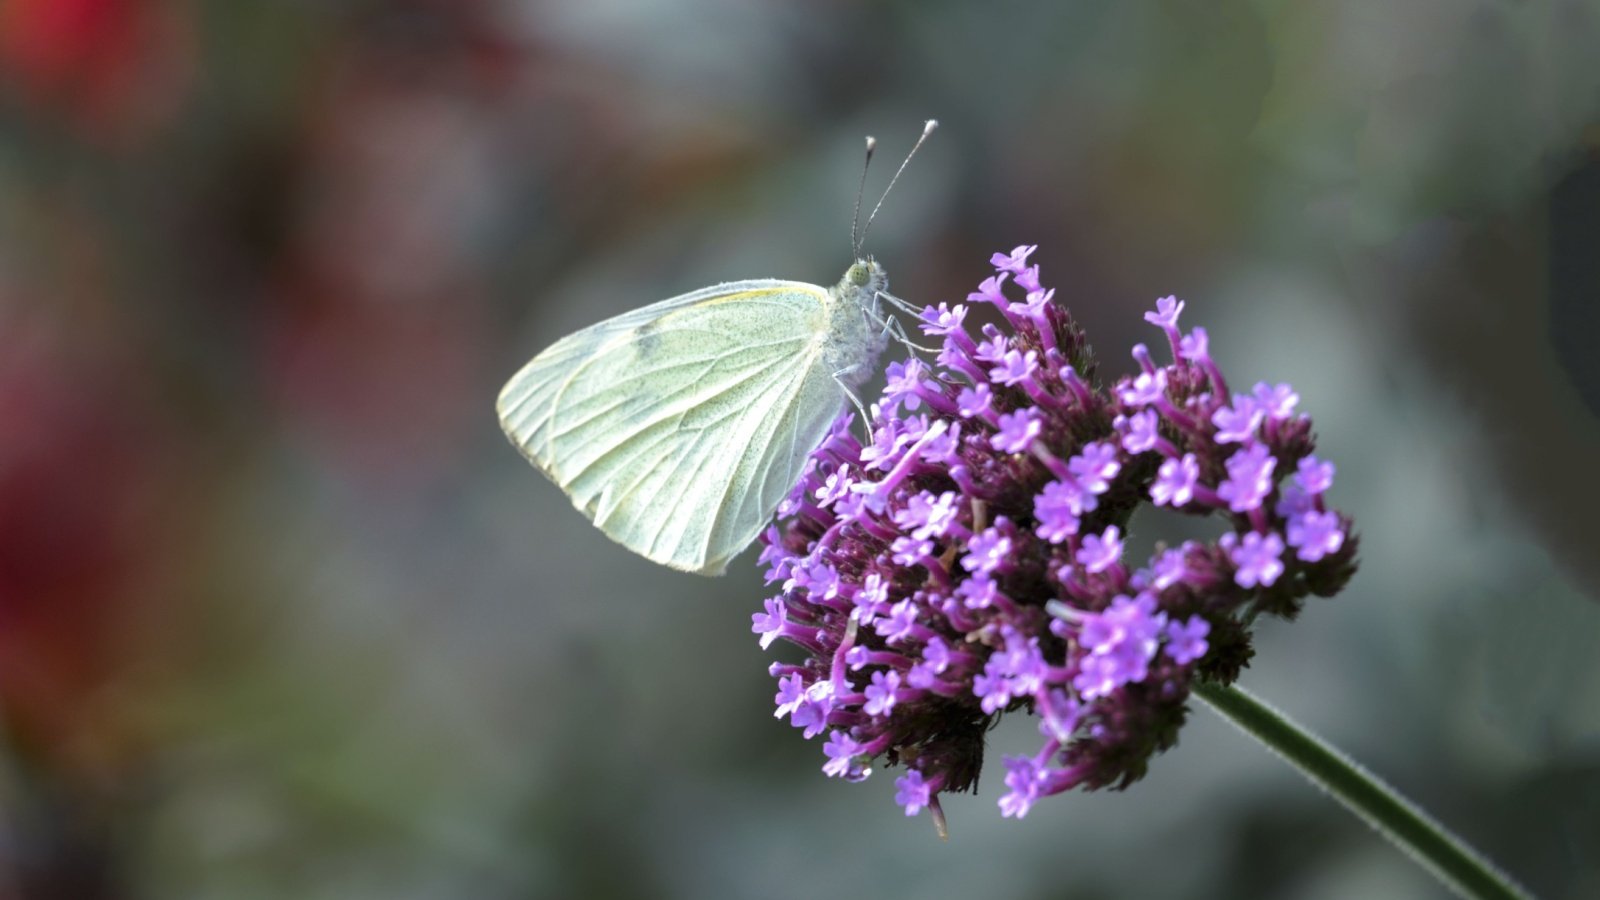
858, 238
872, 143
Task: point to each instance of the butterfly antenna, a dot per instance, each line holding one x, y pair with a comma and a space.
926, 130
855, 217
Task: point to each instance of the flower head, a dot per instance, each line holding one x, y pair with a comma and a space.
970, 562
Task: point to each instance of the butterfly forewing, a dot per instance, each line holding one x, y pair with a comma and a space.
679, 427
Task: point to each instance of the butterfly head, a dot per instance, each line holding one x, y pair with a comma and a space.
866, 276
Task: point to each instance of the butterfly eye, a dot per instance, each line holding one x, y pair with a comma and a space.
860, 273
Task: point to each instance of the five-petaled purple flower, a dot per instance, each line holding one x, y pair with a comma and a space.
969, 561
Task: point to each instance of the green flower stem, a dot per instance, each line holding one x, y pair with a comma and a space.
1381, 806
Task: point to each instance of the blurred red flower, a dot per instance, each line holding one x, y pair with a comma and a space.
118, 68
86, 503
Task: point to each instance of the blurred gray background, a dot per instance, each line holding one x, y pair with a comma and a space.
282, 614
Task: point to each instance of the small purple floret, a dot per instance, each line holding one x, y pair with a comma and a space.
1249, 478
1145, 389
1313, 475
975, 400
1016, 260
769, 624
1259, 559
913, 792
880, 693
1058, 507
991, 291
987, 551
944, 320
1017, 431
1025, 777
1195, 346
1174, 484
1095, 466
1014, 367
1276, 401
841, 750
1139, 431
1100, 551
1186, 641
1315, 535
1166, 313
1238, 423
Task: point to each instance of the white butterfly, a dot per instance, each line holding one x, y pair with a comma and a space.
678, 428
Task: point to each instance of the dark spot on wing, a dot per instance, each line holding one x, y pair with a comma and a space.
647, 340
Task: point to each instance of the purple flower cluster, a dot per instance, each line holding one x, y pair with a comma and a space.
969, 560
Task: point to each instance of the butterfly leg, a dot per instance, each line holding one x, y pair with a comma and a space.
899, 304
850, 392
892, 326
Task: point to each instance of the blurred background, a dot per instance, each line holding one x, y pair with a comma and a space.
283, 615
